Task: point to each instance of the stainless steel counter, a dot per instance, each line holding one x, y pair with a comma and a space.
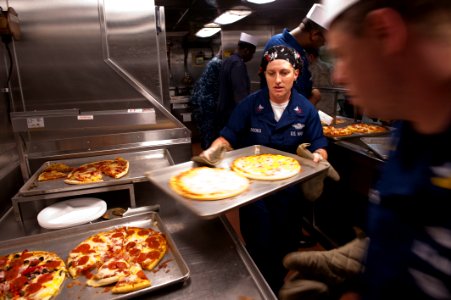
219, 265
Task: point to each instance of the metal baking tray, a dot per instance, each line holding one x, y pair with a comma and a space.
172, 268
379, 145
257, 188
140, 163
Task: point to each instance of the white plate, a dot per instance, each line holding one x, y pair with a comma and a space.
71, 213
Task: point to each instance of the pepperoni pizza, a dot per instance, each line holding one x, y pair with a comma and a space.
31, 275
118, 257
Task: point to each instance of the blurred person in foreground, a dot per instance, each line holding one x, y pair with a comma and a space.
308, 34
394, 57
280, 118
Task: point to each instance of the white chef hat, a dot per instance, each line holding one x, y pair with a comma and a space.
317, 14
333, 8
244, 37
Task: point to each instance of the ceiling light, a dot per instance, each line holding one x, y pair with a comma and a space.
260, 1
231, 16
208, 30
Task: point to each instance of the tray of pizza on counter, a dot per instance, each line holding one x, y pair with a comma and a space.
352, 130
137, 164
95, 261
254, 190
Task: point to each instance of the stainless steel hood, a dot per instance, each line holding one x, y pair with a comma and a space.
182, 15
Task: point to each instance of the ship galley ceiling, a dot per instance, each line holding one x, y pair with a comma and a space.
191, 15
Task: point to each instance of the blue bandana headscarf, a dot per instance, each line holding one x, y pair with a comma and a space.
281, 52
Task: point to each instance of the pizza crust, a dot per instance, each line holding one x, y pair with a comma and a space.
136, 280
204, 183
51, 175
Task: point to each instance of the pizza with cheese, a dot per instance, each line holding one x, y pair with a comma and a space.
54, 171
115, 168
366, 128
349, 130
332, 131
204, 183
94, 171
266, 166
31, 275
118, 257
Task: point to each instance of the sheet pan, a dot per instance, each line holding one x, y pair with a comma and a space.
257, 189
140, 163
171, 270
379, 145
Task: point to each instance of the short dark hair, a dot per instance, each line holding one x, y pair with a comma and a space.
412, 11
309, 25
246, 45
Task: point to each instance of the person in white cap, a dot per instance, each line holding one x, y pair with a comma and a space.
394, 58
308, 34
234, 81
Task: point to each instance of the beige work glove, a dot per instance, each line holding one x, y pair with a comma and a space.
331, 267
296, 288
313, 188
212, 156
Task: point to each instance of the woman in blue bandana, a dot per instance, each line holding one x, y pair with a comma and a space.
276, 116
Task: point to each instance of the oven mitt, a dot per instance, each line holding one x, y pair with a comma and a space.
211, 157
296, 288
331, 268
313, 188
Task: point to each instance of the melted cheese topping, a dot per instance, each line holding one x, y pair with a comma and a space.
267, 166
210, 181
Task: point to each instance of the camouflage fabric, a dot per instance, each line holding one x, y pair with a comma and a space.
204, 101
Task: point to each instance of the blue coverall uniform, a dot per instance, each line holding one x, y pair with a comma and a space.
234, 86
304, 83
271, 227
409, 221
204, 102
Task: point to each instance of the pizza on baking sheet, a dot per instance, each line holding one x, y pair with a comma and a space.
366, 128
93, 172
118, 257
31, 275
51, 175
204, 183
332, 131
84, 174
135, 280
266, 166
115, 168
54, 171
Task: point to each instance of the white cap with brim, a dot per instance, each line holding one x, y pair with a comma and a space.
333, 8
244, 37
317, 14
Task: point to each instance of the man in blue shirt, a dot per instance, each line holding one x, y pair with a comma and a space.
234, 81
204, 102
309, 34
